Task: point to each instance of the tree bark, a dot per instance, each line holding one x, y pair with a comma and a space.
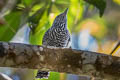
99, 66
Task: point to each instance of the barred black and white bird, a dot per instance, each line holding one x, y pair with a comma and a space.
57, 36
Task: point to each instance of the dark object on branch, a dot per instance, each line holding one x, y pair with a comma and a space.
42, 74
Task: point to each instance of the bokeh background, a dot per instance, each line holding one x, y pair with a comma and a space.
26, 21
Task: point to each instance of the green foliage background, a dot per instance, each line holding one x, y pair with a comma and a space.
36, 13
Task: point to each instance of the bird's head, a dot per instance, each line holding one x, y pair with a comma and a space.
61, 19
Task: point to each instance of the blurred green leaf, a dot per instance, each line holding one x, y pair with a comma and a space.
62, 4
8, 30
35, 8
27, 2
117, 1
100, 4
20, 6
34, 19
43, 25
54, 76
74, 14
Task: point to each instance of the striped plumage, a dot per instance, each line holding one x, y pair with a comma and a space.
58, 35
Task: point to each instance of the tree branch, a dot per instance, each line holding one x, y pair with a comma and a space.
60, 60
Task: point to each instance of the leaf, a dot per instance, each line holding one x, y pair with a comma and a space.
54, 76
100, 4
74, 14
34, 19
27, 2
62, 4
42, 26
8, 30
117, 1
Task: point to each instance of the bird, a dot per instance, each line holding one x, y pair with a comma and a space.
116, 47
57, 36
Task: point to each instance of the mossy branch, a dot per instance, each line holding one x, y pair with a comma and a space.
66, 60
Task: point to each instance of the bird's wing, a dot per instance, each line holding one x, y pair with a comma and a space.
69, 43
45, 37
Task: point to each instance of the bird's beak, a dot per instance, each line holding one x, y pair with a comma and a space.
65, 12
